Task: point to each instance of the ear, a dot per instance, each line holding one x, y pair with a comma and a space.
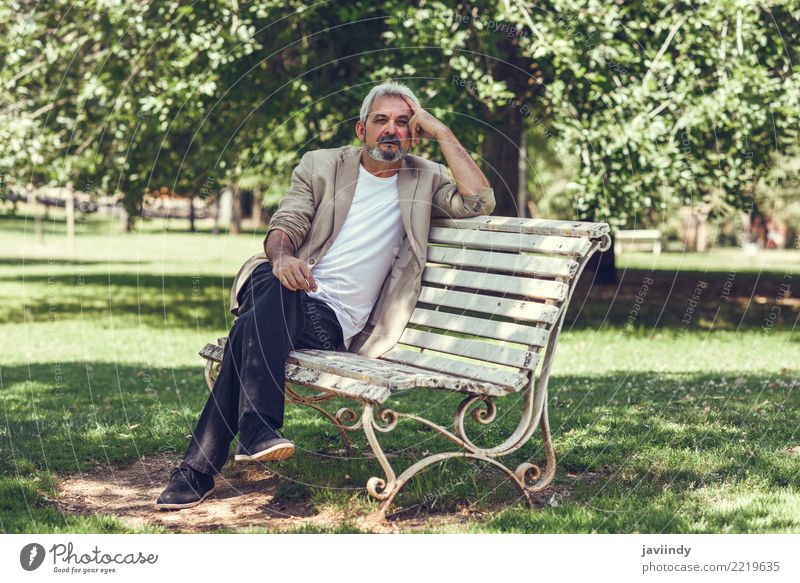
361, 131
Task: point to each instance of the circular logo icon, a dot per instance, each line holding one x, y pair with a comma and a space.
31, 556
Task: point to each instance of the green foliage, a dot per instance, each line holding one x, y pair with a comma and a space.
650, 104
666, 103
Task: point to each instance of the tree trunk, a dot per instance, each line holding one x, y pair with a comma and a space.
236, 214
602, 267
192, 226
255, 214
215, 229
71, 221
501, 150
522, 179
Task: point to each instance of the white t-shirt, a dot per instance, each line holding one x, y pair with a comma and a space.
350, 274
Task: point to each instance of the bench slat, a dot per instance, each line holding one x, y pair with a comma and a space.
510, 379
339, 385
529, 311
543, 289
509, 331
500, 241
492, 353
517, 264
354, 366
399, 375
212, 352
530, 226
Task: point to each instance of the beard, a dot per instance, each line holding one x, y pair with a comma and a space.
387, 155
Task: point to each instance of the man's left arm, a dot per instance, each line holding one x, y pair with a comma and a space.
470, 195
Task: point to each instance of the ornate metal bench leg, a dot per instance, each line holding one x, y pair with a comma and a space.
386, 490
311, 401
382, 489
550, 469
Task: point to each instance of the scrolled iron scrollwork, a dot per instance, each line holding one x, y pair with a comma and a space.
389, 417
345, 417
528, 472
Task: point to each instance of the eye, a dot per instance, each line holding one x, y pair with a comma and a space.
402, 123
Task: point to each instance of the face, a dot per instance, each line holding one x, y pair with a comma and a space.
387, 134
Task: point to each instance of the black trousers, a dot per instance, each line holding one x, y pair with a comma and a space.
249, 391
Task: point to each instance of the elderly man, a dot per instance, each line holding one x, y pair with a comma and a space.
342, 270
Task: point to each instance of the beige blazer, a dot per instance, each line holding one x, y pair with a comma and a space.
315, 207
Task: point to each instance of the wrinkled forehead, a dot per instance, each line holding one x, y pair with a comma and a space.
390, 106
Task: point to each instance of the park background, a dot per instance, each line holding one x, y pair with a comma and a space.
144, 146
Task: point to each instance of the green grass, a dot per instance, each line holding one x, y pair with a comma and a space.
659, 426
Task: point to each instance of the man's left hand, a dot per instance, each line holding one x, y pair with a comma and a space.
424, 125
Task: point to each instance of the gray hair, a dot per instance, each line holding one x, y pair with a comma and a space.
386, 88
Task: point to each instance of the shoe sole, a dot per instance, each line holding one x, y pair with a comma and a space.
188, 504
275, 453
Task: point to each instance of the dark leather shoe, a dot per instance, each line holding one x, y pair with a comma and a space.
187, 487
270, 446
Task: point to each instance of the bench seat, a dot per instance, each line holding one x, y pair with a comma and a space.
374, 380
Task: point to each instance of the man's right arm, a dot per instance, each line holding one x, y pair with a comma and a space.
289, 227
293, 273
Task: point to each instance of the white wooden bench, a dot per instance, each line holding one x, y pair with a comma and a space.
494, 296
634, 240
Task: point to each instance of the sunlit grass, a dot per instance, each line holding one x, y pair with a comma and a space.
656, 429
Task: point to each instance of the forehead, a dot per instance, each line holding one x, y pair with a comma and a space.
390, 106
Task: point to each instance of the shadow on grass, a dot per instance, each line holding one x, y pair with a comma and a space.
684, 299
152, 300
6, 261
623, 443
753, 301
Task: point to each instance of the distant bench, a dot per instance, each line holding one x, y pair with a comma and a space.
494, 295
638, 240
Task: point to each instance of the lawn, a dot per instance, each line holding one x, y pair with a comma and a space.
669, 414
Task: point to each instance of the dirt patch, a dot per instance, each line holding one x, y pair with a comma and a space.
244, 498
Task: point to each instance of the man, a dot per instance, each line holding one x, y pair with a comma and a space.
341, 270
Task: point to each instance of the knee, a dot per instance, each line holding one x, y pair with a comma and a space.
239, 324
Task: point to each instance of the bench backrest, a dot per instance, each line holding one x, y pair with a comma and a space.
493, 291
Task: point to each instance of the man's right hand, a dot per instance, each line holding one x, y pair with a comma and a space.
294, 274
